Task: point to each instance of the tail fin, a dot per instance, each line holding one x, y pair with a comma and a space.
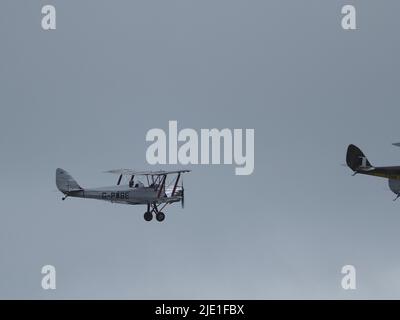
356, 159
65, 183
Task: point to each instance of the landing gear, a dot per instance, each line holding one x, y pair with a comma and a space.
160, 216
148, 215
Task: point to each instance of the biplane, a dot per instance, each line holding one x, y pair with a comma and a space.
159, 189
358, 162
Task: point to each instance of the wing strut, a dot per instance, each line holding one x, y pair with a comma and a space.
162, 186
176, 184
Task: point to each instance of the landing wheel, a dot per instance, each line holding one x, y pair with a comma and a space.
160, 216
148, 216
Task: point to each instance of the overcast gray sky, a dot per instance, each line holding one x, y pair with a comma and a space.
82, 97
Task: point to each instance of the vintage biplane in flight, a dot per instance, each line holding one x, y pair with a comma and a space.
156, 192
358, 162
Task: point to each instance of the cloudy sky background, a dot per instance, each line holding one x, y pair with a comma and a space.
83, 97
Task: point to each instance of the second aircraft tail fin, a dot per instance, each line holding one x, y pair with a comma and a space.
356, 159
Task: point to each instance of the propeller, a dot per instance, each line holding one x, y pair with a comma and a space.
183, 197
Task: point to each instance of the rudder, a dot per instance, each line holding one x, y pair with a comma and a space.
356, 159
65, 183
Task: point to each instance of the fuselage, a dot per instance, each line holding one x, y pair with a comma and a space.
128, 195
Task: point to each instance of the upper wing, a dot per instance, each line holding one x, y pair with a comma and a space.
129, 172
